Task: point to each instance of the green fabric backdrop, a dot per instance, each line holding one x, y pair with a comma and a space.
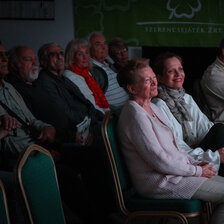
195, 23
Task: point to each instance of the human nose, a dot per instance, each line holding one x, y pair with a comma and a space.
177, 73
35, 62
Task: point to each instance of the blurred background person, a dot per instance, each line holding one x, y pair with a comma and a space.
118, 51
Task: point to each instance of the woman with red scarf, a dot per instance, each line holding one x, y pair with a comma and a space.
77, 61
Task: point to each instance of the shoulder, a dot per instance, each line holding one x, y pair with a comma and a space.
158, 102
98, 71
189, 100
100, 76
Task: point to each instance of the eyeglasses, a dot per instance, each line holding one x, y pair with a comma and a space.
56, 53
121, 51
3, 54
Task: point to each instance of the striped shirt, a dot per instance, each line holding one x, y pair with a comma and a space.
115, 95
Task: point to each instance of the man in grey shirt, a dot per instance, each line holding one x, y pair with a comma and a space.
14, 133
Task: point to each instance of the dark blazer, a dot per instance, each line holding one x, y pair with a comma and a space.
100, 76
67, 96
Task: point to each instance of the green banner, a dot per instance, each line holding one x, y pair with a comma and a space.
181, 23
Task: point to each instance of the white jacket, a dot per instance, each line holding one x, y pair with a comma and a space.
200, 127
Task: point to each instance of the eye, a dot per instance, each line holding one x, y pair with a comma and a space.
181, 69
170, 71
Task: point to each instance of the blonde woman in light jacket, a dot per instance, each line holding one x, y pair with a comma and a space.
158, 167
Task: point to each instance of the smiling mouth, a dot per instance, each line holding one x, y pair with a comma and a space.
178, 80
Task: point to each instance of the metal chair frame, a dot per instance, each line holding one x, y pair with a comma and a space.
5, 201
30, 151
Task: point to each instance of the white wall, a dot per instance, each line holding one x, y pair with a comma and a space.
36, 33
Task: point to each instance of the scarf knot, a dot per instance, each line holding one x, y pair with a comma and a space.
175, 101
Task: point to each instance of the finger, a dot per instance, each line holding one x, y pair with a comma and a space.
40, 137
15, 123
6, 124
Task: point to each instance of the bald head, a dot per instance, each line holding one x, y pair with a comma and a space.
23, 63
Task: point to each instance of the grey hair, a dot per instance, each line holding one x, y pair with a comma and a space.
91, 35
42, 52
71, 49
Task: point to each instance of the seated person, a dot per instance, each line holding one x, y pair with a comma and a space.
85, 157
118, 51
158, 167
212, 84
18, 137
103, 74
23, 71
66, 95
77, 61
192, 129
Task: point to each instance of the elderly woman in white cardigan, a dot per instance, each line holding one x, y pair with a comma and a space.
158, 167
192, 129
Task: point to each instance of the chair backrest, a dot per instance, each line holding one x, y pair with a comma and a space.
4, 212
36, 177
119, 172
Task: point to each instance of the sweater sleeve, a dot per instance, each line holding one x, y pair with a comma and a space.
196, 153
169, 161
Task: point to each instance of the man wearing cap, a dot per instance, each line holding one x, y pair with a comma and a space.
212, 84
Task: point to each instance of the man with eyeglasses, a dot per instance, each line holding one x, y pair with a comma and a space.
103, 74
84, 156
64, 93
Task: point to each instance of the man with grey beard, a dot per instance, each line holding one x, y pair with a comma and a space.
23, 71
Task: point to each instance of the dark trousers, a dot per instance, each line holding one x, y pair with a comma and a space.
214, 140
92, 193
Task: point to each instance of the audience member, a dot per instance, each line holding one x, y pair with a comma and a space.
86, 157
23, 72
192, 129
118, 51
159, 168
11, 105
103, 74
66, 95
212, 84
77, 61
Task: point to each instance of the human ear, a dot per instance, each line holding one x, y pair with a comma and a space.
131, 89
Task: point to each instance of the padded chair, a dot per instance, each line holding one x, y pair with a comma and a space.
131, 204
36, 178
4, 212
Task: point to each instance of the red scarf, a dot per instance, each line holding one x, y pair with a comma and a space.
99, 97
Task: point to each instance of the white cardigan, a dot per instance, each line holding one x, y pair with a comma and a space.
200, 127
157, 167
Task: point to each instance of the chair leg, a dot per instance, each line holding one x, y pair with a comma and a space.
208, 210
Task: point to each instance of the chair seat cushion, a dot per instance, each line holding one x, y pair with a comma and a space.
180, 205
